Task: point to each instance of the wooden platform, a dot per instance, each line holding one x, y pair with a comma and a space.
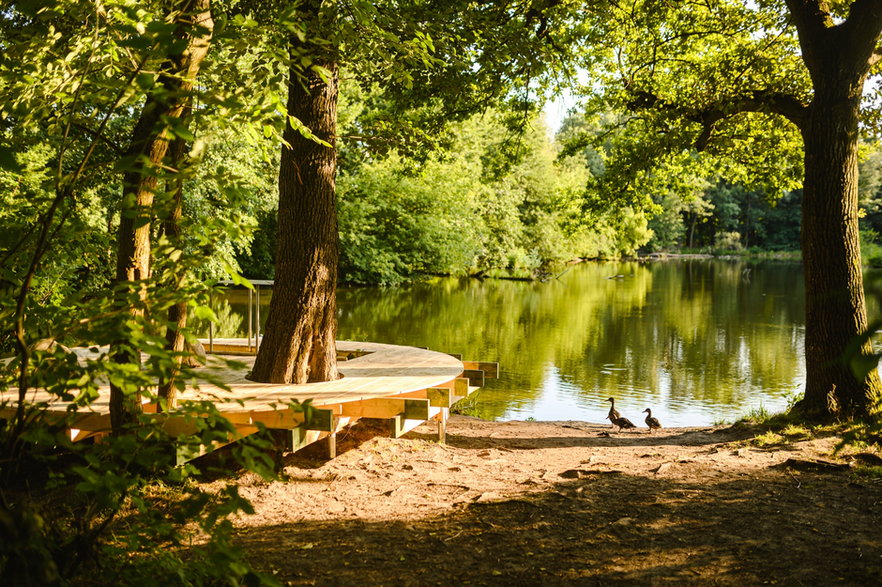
405, 385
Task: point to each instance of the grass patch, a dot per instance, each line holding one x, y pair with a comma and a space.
796, 432
768, 439
777, 421
758, 415
860, 436
868, 473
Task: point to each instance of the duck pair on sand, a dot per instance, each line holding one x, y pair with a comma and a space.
618, 420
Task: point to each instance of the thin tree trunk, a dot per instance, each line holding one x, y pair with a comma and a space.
692, 230
177, 314
150, 140
299, 344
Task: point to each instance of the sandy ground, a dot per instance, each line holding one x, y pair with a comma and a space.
567, 503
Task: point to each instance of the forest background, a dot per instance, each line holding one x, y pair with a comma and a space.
492, 195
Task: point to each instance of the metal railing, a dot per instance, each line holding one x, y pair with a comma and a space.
253, 312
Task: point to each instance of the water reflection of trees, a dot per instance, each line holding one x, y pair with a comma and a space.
674, 332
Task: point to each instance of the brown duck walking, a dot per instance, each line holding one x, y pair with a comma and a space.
653, 423
621, 422
616, 418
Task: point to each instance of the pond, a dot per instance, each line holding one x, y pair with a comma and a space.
698, 341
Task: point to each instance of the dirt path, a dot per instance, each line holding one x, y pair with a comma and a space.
554, 503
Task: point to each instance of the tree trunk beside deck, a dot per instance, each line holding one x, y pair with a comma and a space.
299, 344
148, 147
177, 314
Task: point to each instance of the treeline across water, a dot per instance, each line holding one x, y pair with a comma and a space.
487, 200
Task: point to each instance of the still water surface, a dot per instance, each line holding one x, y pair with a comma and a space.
699, 342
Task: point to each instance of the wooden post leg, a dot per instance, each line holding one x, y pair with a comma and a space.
442, 426
332, 439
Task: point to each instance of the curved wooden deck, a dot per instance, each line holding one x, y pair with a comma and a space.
405, 385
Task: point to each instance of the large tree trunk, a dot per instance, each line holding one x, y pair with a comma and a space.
150, 140
300, 333
838, 58
835, 311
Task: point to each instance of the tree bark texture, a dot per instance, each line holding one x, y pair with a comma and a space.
299, 344
148, 147
838, 59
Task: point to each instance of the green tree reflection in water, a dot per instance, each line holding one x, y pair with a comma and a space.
697, 341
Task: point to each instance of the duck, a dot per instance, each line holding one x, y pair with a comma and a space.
621, 422
653, 423
613, 412
616, 418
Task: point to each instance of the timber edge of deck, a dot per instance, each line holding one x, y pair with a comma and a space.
406, 386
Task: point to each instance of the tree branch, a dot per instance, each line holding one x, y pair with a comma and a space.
860, 32
852, 44
759, 101
762, 101
810, 18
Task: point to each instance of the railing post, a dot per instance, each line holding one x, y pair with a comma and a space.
257, 326
250, 310
211, 323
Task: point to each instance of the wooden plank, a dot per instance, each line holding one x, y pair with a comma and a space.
434, 413
176, 426
294, 439
387, 407
286, 418
491, 370
475, 377
348, 355
416, 409
184, 452
220, 348
92, 422
320, 419
374, 408
278, 419
442, 425
83, 421
297, 438
378, 371
439, 397
456, 356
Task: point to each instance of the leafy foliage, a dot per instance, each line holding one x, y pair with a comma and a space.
74, 75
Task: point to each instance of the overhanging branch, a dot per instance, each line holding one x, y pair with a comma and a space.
760, 101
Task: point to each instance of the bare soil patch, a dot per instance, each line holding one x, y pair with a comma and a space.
563, 503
